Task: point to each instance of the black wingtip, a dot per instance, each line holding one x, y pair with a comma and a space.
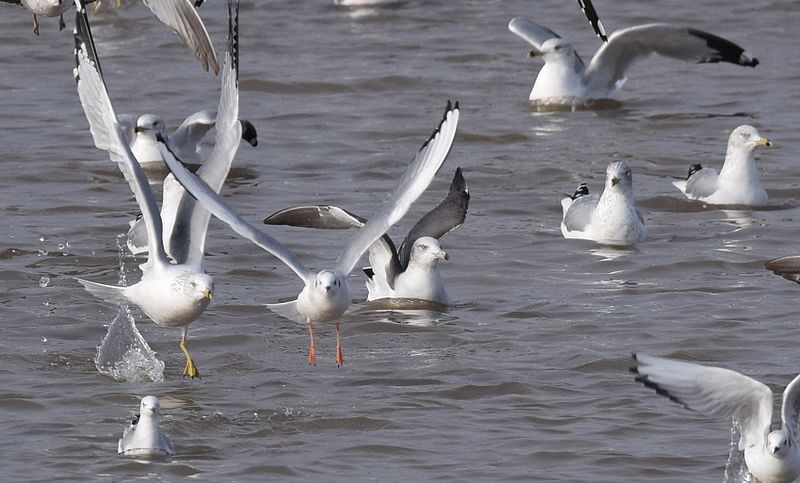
369, 272
83, 36
724, 50
583, 190
593, 18
693, 169
642, 378
233, 34
449, 107
249, 133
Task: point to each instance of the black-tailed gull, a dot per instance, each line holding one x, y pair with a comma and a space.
143, 438
566, 80
609, 219
771, 456
171, 294
408, 273
326, 294
738, 182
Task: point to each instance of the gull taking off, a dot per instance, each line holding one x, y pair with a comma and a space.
738, 182
771, 456
326, 294
171, 294
143, 438
410, 273
566, 80
611, 218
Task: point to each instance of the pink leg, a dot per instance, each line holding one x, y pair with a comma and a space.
339, 358
312, 354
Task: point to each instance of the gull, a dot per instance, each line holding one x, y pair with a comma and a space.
143, 437
738, 182
787, 267
48, 8
171, 293
565, 79
771, 456
611, 218
326, 294
408, 273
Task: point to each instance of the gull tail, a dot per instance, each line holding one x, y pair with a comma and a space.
681, 185
288, 310
110, 293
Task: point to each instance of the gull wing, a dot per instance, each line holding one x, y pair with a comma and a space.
786, 267
579, 213
412, 184
532, 33
107, 133
791, 407
188, 237
701, 183
609, 66
593, 18
711, 391
441, 220
185, 139
182, 18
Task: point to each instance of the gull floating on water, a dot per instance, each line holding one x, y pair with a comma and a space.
566, 80
171, 294
738, 182
408, 273
143, 438
326, 294
611, 218
771, 456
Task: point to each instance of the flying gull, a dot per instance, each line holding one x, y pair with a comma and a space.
771, 456
566, 80
143, 438
326, 294
47, 8
408, 273
171, 294
609, 219
738, 182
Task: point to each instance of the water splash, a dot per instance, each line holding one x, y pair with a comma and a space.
123, 354
735, 468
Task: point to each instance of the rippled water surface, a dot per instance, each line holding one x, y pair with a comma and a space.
526, 375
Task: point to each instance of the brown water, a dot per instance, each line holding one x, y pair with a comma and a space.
525, 377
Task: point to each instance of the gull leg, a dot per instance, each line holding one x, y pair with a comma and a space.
339, 358
35, 25
61, 23
312, 353
190, 370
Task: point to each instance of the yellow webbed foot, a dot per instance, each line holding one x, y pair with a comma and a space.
190, 370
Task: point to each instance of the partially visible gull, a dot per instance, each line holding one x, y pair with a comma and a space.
408, 273
143, 438
326, 293
47, 8
171, 294
609, 219
738, 182
771, 456
566, 80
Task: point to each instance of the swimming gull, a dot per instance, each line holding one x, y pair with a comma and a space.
771, 456
738, 182
143, 437
611, 218
565, 79
408, 273
326, 294
171, 294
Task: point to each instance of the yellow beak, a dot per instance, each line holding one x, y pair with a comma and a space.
764, 142
207, 294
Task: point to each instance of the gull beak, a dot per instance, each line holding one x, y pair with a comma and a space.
139, 129
764, 142
774, 450
207, 294
534, 53
327, 288
442, 255
614, 181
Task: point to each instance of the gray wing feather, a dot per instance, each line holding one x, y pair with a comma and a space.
186, 138
532, 33
791, 407
182, 18
324, 217
445, 217
412, 184
107, 133
702, 183
786, 267
612, 61
580, 212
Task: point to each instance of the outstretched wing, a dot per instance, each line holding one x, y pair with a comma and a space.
533, 33
791, 407
445, 217
609, 66
107, 133
711, 391
412, 184
182, 18
594, 19
188, 238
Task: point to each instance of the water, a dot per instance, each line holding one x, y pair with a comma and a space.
525, 377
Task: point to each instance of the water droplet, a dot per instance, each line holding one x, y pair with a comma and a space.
44, 281
44, 340
43, 252
60, 246
42, 238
